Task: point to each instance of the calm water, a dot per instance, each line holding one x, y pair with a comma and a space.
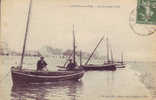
136, 82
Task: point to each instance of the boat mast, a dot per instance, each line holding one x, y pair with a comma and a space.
122, 58
73, 46
112, 60
80, 58
94, 50
26, 33
107, 46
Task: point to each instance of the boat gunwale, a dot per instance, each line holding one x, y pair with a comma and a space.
97, 66
39, 76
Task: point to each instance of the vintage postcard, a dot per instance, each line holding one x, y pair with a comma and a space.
77, 49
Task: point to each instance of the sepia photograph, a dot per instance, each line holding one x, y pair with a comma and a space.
77, 49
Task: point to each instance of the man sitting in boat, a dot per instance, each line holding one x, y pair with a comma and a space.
41, 64
71, 65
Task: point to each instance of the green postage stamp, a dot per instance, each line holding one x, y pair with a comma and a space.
146, 12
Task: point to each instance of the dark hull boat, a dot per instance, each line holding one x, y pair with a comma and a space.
120, 65
32, 76
108, 67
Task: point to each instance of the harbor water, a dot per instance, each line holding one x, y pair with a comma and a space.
135, 82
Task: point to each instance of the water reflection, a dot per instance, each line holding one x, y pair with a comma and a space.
97, 85
110, 82
68, 90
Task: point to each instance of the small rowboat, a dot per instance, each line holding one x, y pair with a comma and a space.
108, 67
33, 76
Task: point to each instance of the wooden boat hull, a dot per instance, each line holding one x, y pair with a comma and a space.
25, 76
109, 67
120, 65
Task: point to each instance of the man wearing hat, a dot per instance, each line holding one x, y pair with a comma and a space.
71, 65
41, 64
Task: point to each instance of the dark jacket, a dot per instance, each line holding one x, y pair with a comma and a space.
41, 64
71, 66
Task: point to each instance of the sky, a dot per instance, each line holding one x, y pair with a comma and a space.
51, 23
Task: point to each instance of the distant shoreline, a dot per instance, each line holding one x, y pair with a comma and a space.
65, 57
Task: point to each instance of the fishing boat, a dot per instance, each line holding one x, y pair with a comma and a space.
121, 64
25, 76
32, 76
109, 65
